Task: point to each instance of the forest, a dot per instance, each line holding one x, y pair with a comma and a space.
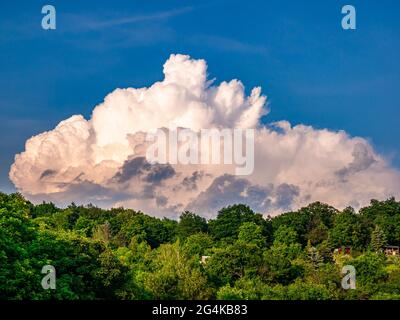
125, 254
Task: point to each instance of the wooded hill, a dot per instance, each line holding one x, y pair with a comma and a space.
125, 254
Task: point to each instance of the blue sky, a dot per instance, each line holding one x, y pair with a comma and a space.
312, 70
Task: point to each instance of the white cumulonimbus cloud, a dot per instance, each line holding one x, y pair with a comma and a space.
101, 160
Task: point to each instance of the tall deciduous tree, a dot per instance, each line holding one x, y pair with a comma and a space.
189, 224
378, 239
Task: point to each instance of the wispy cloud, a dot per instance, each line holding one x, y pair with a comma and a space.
81, 23
75, 23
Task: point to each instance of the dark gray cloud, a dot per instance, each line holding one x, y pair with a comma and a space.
190, 182
159, 172
83, 193
139, 167
47, 173
132, 168
161, 201
285, 195
228, 189
148, 176
362, 160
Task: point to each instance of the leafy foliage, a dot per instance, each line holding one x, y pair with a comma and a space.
125, 254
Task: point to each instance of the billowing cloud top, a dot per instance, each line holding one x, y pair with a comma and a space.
102, 161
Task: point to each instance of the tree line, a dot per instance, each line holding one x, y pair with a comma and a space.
125, 254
